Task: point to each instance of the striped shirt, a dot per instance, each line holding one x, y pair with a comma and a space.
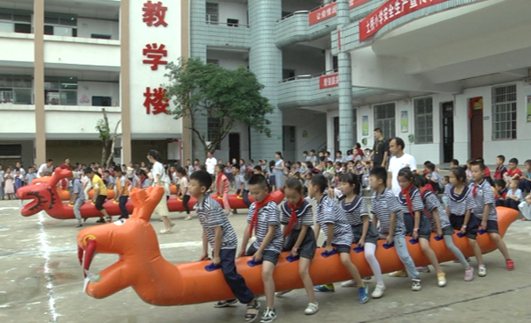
484, 196
355, 210
211, 216
416, 202
431, 203
304, 215
329, 212
382, 206
458, 204
268, 215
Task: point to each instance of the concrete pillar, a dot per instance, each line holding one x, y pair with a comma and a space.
38, 75
125, 83
345, 85
265, 60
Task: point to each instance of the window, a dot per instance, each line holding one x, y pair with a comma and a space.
60, 25
10, 151
232, 22
504, 112
384, 118
19, 22
213, 129
288, 73
213, 61
335, 65
16, 89
60, 90
212, 13
423, 121
100, 36
101, 101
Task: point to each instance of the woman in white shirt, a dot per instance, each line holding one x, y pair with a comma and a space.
160, 178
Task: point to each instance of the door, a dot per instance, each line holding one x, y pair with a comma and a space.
336, 137
234, 146
476, 127
448, 131
289, 146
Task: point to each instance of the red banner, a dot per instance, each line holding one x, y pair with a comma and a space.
391, 10
330, 10
330, 80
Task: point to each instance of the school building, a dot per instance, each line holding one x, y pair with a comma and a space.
451, 77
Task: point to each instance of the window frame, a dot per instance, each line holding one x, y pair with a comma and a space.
505, 113
427, 116
387, 133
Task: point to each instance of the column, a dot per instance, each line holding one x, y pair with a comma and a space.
265, 60
125, 77
186, 143
38, 76
345, 84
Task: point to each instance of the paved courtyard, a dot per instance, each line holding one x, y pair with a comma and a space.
41, 281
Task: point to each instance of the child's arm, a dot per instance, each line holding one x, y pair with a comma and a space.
392, 226
365, 220
217, 245
528, 198
318, 230
329, 237
298, 243
486, 212
204, 255
267, 239
245, 240
435, 215
416, 226
375, 220
465, 222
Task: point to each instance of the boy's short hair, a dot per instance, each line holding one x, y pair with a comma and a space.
528, 162
320, 181
305, 152
501, 157
477, 162
257, 168
500, 182
118, 169
430, 165
513, 161
312, 151
380, 173
339, 152
237, 166
516, 180
88, 170
447, 178
203, 178
258, 179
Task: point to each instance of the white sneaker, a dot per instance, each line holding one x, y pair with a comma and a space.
482, 271
416, 285
311, 309
378, 291
349, 283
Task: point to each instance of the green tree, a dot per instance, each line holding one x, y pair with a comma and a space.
208, 90
107, 139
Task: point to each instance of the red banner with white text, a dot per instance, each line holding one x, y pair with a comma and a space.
330, 80
390, 11
330, 10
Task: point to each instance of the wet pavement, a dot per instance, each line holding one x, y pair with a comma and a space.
41, 281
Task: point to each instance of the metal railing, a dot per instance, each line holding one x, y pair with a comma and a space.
305, 11
308, 76
228, 24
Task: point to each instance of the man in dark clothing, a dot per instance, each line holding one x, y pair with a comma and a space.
380, 150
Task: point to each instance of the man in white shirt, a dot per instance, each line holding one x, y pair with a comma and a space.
210, 163
45, 168
399, 160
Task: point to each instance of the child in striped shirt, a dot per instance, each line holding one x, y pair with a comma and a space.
220, 235
332, 219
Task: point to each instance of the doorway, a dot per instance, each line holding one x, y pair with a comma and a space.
475, 115
448, 131
234, 146
336, 137
289, 145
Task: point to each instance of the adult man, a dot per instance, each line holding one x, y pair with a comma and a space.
399, 160
210, 163
45, 169
379, 152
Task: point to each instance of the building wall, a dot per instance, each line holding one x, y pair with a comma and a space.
79, 151
310, 131
304, 60
86, 27
27, 153
64, 121
232, 10
86, 90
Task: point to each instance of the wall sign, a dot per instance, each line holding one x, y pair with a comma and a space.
328, 81
404, 122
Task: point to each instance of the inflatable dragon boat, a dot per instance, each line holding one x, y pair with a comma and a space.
45, 197
159, 282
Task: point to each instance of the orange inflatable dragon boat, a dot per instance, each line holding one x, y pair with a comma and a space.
64, 195
159, 282
45, 198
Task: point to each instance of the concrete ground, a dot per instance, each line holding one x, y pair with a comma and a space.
41, 281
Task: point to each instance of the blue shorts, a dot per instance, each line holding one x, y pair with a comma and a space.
492, 226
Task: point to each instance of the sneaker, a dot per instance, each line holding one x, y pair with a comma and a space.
280, 294
482, 271
510, 264
269, 316
324, 288
423, 269
363, 293
227, 303
441, 278
378, 291
311, 309
416, 285
469, 274
349, 283
399, 273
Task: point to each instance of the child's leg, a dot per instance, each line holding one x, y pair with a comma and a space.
501, 244
123, 202
345, 260
426, 249
525, 208
77, 211
457, 253
405, 258
226, 204
186, 199
245, 196
304, 272
370, 249
477, 251
235, 281
269, 283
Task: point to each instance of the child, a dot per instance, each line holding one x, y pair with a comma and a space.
514, 195
333, 220
454, 163
500, 192
416, 222
122, 186
77, 199
100, 194
2, 173
30, 176
447, 185
364, 231
461, 203
189, 167
184, 191
339, 157
500, 168
525, 208
385, 209
19, 181
434, 178
297, 218
440, 223
525, 183
242, 183
196, 165
468, 172
513, 171
9, 184
485, 211
220, 235
264, 218
222, 187
358, 167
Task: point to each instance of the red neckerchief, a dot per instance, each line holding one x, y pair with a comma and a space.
422, 194
257, 207
142, 180
474, 189
218, 179
293, 217
407, 194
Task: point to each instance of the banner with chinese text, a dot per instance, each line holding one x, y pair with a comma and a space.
330, 10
